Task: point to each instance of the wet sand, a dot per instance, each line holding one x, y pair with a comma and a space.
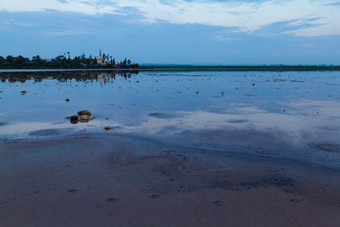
125, 180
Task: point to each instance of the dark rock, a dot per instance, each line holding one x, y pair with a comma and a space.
295, 200
74, 118
112, 200
218, 203
84, 112
154, 196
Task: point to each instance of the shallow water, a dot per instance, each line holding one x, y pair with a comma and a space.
294, 115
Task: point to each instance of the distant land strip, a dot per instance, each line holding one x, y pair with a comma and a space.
249, 68
188, 68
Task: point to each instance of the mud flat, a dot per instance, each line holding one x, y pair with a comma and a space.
121, 180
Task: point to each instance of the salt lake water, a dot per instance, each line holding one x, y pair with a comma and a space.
294, 115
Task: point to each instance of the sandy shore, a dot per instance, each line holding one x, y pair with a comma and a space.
117, 180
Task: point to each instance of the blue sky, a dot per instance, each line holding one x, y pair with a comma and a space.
178, 31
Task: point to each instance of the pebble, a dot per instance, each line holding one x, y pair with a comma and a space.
154, 196
112, 199
84, 112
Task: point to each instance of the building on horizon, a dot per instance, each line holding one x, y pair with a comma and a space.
100, 59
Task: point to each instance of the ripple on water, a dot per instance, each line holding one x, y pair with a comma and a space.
327, 147
160, 115
238, 121
45, 132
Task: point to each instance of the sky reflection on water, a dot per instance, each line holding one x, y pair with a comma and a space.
271, 110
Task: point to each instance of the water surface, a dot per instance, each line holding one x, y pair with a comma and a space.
293, 115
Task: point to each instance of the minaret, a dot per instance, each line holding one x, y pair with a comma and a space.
100, 52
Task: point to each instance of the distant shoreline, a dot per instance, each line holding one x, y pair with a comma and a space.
248, 68
187, 68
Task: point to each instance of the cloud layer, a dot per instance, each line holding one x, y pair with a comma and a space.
301, 17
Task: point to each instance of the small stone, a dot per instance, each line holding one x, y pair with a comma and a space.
67, 100
253, 84
23, 92
294, 200
218, 203
112, 200
197, 92
74, 118
107, 128
154, 196
84, 112
84, 117
74, 122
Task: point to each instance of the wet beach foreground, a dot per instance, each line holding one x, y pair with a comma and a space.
170, 149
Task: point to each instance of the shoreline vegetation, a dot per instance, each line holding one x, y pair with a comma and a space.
103, 61
106, 62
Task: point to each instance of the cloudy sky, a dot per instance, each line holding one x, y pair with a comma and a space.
178, 31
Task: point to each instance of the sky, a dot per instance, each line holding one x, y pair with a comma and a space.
204, 32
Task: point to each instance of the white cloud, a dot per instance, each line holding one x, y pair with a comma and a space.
224, 38
245, 16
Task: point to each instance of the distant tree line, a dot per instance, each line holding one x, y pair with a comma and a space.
63, 61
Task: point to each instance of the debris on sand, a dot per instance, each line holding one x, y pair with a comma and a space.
218, 203
112, 199
154, 196
83, 116
295, 200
